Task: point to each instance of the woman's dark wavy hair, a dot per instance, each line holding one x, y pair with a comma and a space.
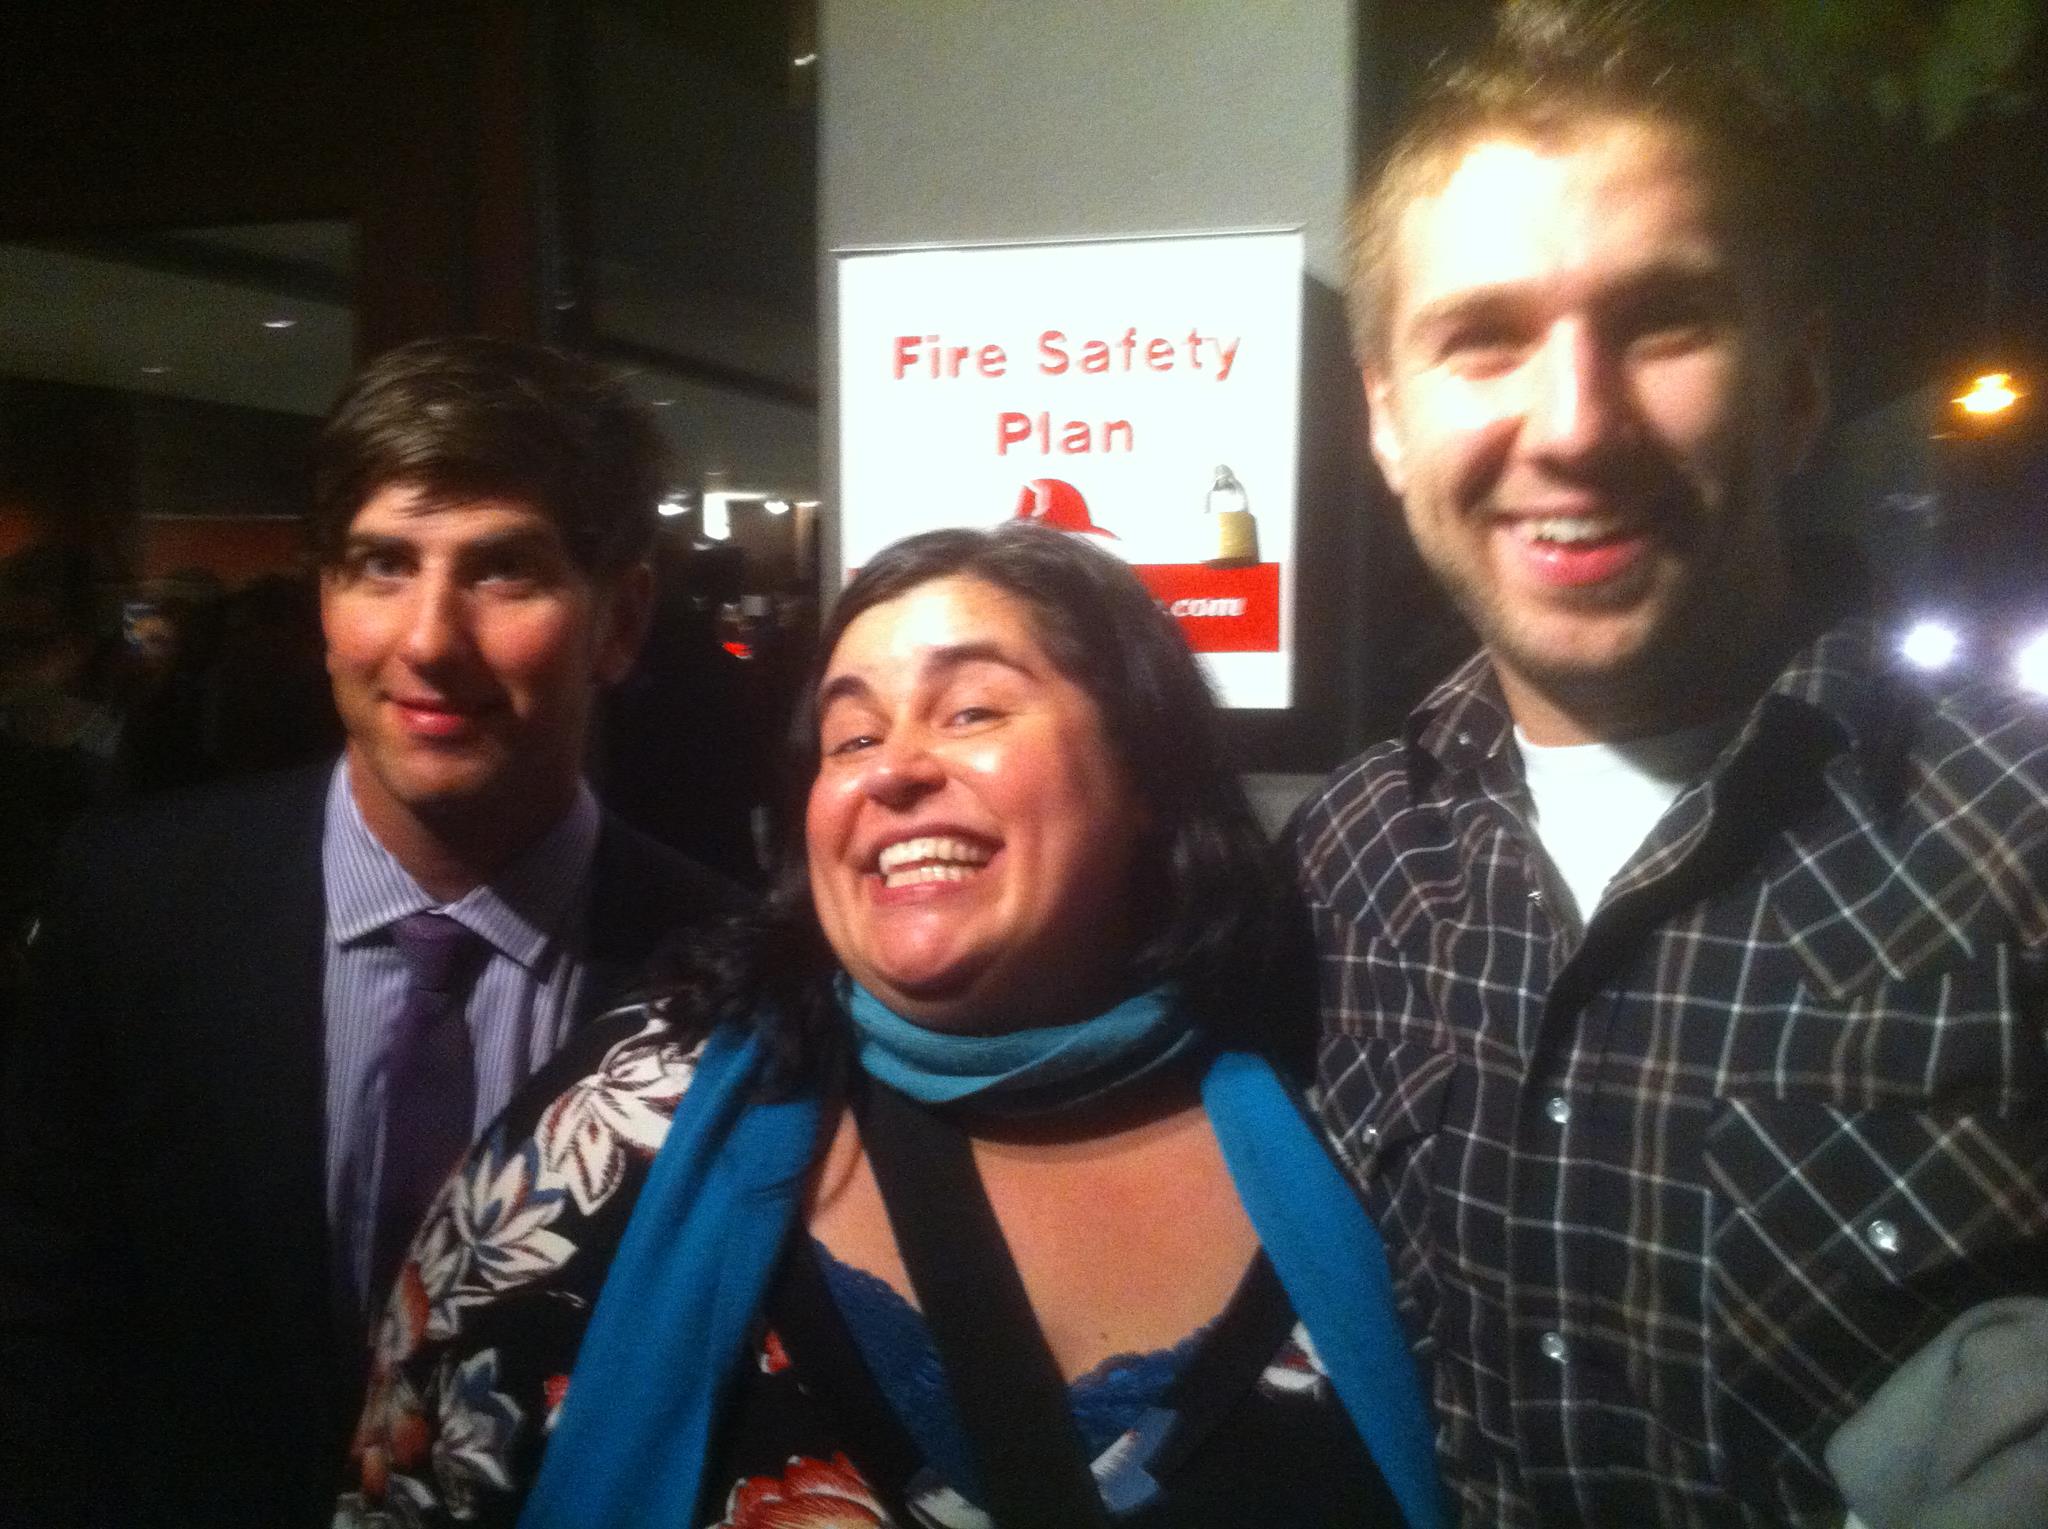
1204, 883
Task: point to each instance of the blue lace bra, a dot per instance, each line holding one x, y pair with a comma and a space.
897, 1346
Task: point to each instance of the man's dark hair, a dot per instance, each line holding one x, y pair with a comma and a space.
1553, 70
471, 417
1204, 896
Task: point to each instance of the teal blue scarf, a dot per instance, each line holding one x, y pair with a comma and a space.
1022, 1072
667, 1339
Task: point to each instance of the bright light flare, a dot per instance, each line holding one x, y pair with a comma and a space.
673, 505
1930, 644
2030, 664
1991, 393
718, 514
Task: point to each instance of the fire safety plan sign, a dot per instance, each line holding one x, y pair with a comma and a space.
1141, 393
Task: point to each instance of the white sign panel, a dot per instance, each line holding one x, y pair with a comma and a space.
1141, 392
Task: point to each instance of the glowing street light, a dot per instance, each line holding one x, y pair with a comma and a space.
1991, 393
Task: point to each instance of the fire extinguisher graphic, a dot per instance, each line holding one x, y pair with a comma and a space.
1234, 533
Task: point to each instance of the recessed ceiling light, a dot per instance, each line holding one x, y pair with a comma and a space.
664, 403
804, 60
280, 323
717, 515
154, 371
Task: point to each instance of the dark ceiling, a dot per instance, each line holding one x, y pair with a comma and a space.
697, 152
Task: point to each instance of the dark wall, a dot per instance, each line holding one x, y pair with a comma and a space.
416, 122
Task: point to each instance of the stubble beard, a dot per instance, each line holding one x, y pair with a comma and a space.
1704, 637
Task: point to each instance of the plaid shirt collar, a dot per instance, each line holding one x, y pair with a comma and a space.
1837, 679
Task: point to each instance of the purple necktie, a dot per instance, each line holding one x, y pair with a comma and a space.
429, 1084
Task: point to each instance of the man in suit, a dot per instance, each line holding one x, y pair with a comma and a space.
243, 1073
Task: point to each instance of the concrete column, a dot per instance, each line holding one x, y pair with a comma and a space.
990, 120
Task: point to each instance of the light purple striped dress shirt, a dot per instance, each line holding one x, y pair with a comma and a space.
519, 1010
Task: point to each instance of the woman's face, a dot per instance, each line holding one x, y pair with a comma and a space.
970, 834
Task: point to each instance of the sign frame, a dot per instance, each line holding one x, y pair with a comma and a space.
1144, 390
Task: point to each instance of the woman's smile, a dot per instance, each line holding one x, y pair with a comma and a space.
970, 832
931, 860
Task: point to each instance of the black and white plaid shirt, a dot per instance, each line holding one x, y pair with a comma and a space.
1669, 1196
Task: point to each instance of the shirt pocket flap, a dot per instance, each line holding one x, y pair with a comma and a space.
1972, 1036
1842, 1240
1877, 1198
1381, 1097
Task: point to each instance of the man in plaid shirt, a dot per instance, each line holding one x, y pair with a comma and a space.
1682, 965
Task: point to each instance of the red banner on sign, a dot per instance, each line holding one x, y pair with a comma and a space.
1221, 610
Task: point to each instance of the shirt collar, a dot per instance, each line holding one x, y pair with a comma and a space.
519, 911
1462, 722
1837, 679
1841, 677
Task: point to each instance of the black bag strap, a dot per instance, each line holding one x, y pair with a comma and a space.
1244, 1341
1011, 1398
806, 1316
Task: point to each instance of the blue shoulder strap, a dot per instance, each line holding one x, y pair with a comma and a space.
1333, 1266
669, 1328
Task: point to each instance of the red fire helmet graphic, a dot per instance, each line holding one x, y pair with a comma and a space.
1057, 503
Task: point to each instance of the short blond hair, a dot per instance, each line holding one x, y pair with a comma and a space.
1555, 70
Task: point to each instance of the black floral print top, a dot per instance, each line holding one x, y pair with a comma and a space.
473, 1356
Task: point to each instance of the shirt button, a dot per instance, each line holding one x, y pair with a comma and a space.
1553, 1348
1464, 740
1883, 1235
1370, 1136
1536, 896
1559, 1109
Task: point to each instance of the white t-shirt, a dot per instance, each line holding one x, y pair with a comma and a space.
1596, 802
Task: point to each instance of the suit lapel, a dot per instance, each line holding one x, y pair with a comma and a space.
626, 919
276, 917
273, 931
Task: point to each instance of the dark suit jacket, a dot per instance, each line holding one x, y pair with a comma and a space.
170, 1348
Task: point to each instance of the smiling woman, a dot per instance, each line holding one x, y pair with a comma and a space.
1103, 685
970, 832
964, 1178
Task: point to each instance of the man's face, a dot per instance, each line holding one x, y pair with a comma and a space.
1587, 406
466, 649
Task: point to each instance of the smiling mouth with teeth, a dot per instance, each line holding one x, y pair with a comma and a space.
1569, 530
912, 862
